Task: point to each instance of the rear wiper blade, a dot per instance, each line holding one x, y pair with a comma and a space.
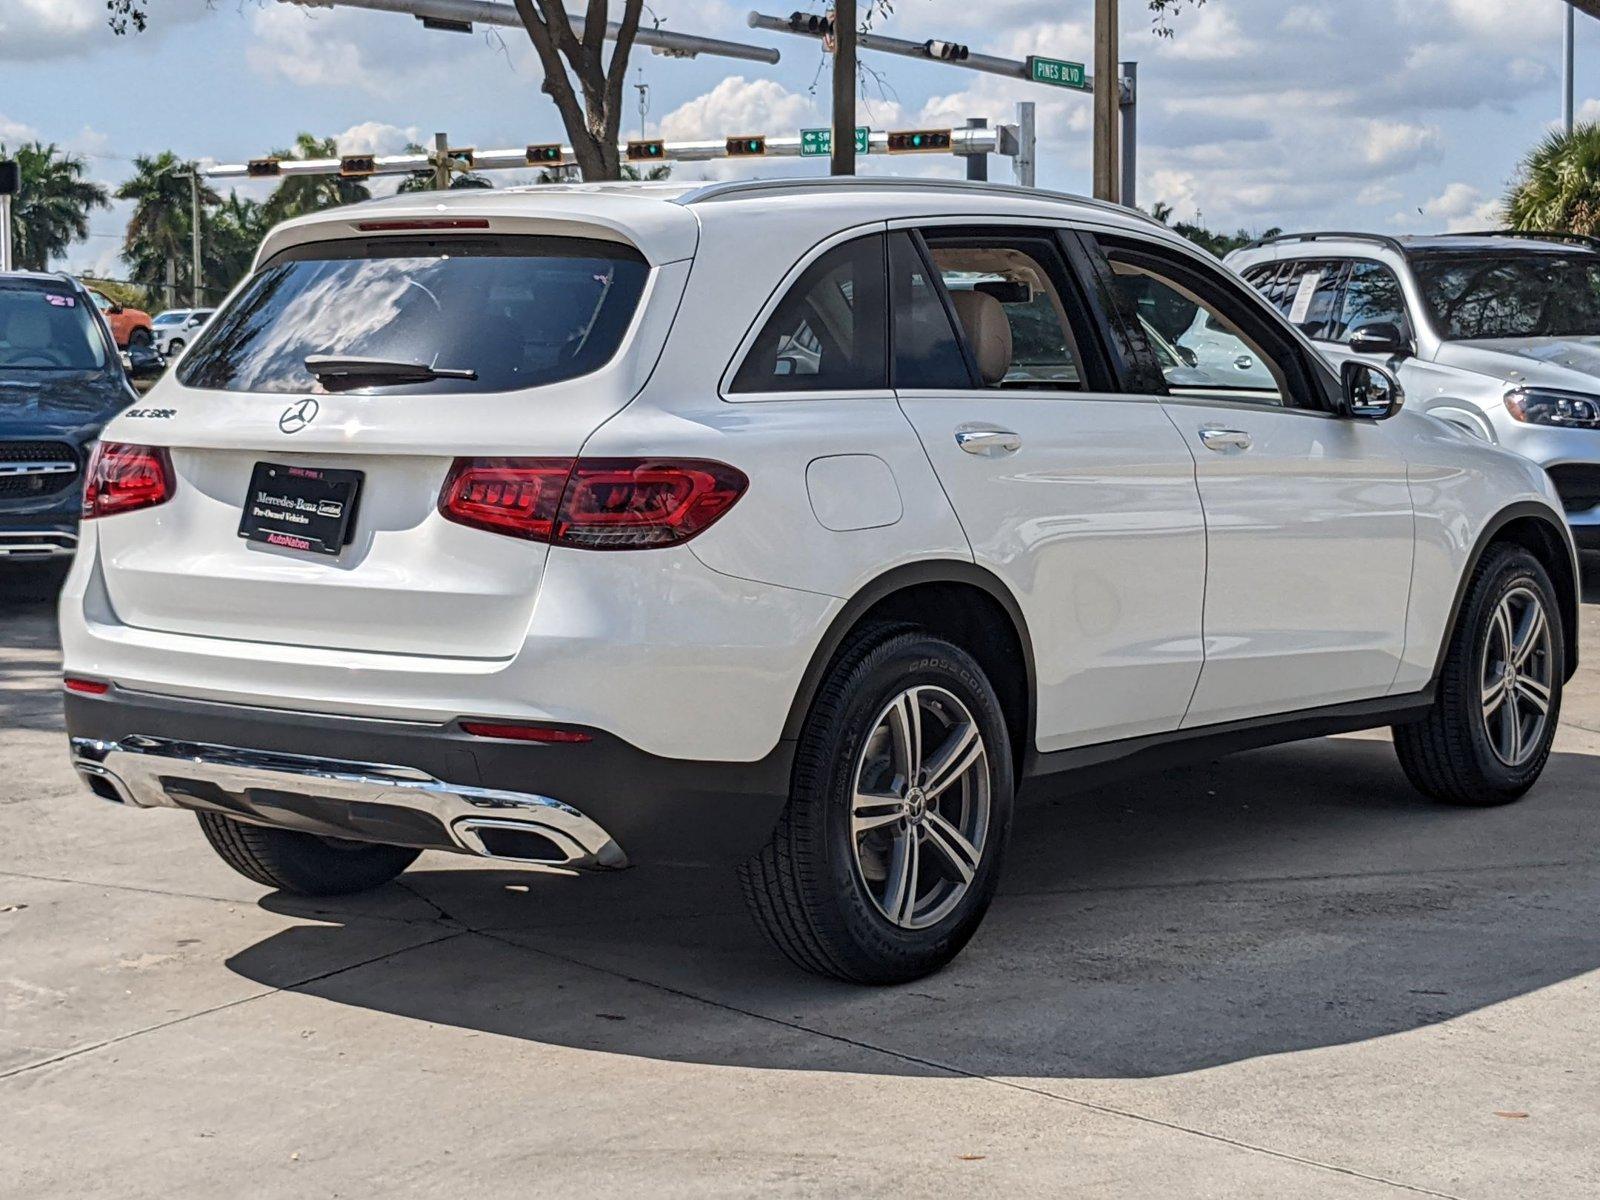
335, 373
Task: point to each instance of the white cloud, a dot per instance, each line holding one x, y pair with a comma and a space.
31, 30
741, 106
1460, 206
376, 137
13, 132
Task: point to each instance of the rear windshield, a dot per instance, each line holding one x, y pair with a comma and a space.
519, 311
45, 330
1511, 295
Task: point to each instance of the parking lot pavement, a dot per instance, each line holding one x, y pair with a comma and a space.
1282, 974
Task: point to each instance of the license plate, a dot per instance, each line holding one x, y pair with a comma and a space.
300, 508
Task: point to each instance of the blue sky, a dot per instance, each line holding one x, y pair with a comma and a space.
1348, 113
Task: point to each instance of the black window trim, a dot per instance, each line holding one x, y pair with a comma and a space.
1315, 388
1048, 250
779, 296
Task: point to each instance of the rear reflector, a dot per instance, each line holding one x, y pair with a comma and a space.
525, 733
87, 687
123, 478
591, 503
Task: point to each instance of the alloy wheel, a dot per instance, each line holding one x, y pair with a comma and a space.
1516, 677
919, 817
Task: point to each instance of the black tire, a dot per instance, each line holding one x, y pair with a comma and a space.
303, 863
139, 337
1449, 755
806, 888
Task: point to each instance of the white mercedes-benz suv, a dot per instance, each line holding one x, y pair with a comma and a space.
793, 525
1498, 333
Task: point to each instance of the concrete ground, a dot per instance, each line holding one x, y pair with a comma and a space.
1279, 975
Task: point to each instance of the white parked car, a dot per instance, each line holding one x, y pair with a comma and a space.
177, 327
1496, 333
514, 524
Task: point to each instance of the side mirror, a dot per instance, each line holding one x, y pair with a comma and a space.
142, 362
115, 309
1190, 358
1381, 338
1370, 392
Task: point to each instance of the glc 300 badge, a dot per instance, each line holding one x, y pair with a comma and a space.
298, 415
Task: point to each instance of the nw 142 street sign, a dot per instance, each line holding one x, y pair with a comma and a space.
820, 141
1057, 73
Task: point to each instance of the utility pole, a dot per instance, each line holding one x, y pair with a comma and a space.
1107, 101
10, 184
1566, 97
198, 294
843, 160
441, 162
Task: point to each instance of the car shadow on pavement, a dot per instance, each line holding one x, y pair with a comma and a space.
1284, 899
28, 645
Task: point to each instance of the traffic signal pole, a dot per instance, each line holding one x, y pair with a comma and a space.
5, 231
843, 157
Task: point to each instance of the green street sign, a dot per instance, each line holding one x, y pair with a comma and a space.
820, 141
1057, 73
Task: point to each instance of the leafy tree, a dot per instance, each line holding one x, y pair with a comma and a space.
53, 210
161, 228
1207, 239
233, 234
298, 195
1557, 186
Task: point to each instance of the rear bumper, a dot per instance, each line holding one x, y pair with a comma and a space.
603, 803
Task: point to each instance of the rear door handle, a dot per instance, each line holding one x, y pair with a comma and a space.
988, 442
1225, 439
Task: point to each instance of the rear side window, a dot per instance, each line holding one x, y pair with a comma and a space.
830, 332
1310, 293
46, 330
519, 311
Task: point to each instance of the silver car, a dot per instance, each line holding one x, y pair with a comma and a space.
1496, 333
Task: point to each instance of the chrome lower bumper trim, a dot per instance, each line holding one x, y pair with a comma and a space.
15, 544
148, 772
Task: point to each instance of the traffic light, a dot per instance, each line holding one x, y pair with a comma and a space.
919, 141
653, 151
811, 23
544, 155
463, 158
262, 168
10, 178
356, 166
946, 51
743, 147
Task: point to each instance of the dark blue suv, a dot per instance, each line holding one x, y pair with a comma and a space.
61, 380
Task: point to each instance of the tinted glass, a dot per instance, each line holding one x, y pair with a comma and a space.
926, 352
828, 333
1211, 355
1010, 281
521, 312
1308, 294
1372, 296
48, 330
1509, 295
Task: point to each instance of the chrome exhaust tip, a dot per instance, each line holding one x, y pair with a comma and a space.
531, 842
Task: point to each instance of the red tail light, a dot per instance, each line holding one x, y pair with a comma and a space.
525, 733
122, 478
86, 687
591, 503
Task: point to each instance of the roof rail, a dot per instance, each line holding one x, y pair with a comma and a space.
732, 189
1582, 239
1381, 239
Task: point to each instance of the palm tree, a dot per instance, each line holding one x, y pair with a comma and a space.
234, 233
301, 194
1557, 187
423, 181
158, 244
52, 211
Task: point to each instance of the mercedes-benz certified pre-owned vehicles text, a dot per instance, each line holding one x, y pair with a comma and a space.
1496, 333
604, 524
60, 382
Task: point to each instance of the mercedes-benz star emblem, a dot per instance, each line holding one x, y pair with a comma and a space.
298, 415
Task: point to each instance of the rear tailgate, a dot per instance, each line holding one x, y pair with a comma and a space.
406, 580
